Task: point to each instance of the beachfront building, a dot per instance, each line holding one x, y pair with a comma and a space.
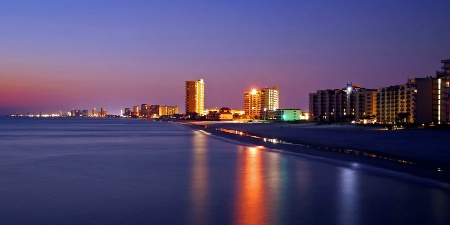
195, 96
432, 104
366, 105
252, 105
396, 103
351, 103
238, 112
288, 114
322, 105
421, 100
269, 98
135, 112
224, 114
145, 110
127, 112
94, 112
166, 110
103, 112
235, 113
261, 103
79, 113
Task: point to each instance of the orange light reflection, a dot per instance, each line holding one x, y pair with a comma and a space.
251, 202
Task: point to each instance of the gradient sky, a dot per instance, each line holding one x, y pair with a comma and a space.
56, 55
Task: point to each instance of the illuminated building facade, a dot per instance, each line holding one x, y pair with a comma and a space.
145, 110
168, 110
269, 98
79, 113
432, 97
127, 112
135, 112
421, 101
215, 113
94, 112
351, 103
396, 103
195, 96
366, 104
154, 111
288, 114
261, 103
252, 106
103, 112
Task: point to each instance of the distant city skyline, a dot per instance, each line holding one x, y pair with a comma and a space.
62, 55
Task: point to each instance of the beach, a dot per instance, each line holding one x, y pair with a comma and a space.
423, 152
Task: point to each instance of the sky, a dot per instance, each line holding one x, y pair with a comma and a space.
56, 55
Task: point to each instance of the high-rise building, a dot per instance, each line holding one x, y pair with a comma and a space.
261, 103
252, 106
396, 103
94, 112
195, 96
432, 97
269, 98
154, 111
127, 112
145, 110
421, 101
135, 111
103, 112
365, 103
349, 103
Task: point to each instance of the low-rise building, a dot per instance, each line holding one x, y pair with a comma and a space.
225, 114
166, 110
288, 114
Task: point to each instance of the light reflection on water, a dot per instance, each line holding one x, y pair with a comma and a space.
199, 184
141, 172
348, 197
251, 201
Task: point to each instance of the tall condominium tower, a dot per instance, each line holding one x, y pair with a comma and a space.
269, 98
195, 96
252, 106
260, 101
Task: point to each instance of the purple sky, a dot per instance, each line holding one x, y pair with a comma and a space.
57, 55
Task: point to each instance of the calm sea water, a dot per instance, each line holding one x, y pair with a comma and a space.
125, 171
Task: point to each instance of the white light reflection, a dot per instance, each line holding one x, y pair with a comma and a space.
348, 198
274, 189
199, 180
439, 207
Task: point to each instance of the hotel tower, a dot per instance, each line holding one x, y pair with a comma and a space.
195, 96
257, 103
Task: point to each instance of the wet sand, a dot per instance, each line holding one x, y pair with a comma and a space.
421, 152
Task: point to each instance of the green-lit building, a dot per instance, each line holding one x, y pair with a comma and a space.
288, 114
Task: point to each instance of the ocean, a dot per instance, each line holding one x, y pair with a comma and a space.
130, 171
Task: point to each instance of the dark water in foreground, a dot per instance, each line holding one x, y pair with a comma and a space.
124, 171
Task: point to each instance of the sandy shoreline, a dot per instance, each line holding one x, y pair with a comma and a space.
425, 153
